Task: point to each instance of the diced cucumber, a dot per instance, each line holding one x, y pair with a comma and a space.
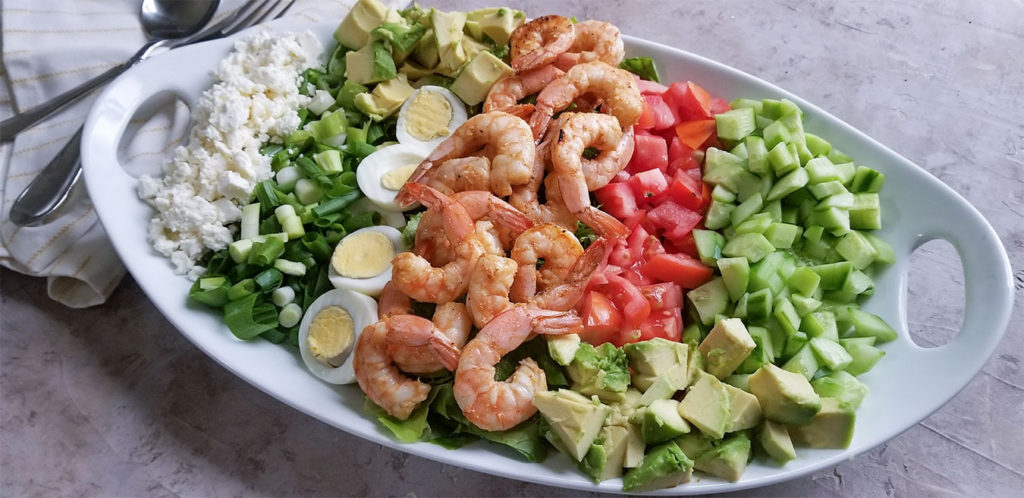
846, 171
740, 150
748, 207
865, 213
709, 245
803, 304
842, 386
773, 209
735, 273
776, 133
759, 305
787, 316
802, 361
841, 200
789, 215
719, 215
856, 249
752, 246
820, 324
864, 357
757, 223
869, 325
710, 299
722, 194
757, 155
826, 189
782, 160
830, 353
740, 310
835, 220
883, 251
788, 184
837, 156
756, 105
866, 179
821, 170
817, 145
833, 275
804, 281
735, 124
765, 274
782, 235
771, 108
794, 343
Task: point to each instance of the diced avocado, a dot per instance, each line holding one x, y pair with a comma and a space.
403, 36
603, 371
842, 386
622, 410
576, 420
831, 427
694, 365
661, 422
370, 64
657, 357
634, 446
604, 460
694, 444
448, 33
785, 397
660, 388
414, 71
665, 466
498, 23
476, 79
774, 438
725, 347
354, 30
745, 410
764, 351
385, 99
562, 348
426, 51
741, 381
707, 405
728, 459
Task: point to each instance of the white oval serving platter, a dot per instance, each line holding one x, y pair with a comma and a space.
906, 386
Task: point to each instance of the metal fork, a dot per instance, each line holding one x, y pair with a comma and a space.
50, 188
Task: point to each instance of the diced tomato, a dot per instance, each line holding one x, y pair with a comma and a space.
627, 299
648, 184
601, 321
684, 270
637, 277
652, 246
637, 219
675, 220
666, 323
636, 239
687, 245
649, 152
706, 195
695, 174
690, 100
719, 106
661, 113
663, 296
617, 199
677, 151
650, 87
685, 191
693, 134
646, 119
621, 255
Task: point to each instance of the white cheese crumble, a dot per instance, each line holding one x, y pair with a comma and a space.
254, 100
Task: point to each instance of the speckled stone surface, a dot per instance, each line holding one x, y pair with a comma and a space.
113, 401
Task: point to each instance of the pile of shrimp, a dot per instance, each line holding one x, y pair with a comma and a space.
495, 248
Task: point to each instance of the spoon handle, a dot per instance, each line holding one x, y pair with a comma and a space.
50, 188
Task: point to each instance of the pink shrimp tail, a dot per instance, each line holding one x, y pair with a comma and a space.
603, 223
558, 324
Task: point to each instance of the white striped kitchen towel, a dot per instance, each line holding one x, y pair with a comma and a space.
47, 48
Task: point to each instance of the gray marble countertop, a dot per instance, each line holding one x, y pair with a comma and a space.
114, 401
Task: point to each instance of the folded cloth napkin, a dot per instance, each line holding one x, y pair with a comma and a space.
47, 48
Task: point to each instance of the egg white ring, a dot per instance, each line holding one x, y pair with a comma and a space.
363, 310
459, 116
371, 286
380, 162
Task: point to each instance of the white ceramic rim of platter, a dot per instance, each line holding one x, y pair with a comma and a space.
908, 384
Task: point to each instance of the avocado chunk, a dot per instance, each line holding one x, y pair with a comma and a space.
665, 466
661, 421
634, 446
741, 381
476, 79
661, 388
370, 64
413, 71
775, 441
354, 30
726, 346
624, 409
497, 23
403, 36
426, 51
728, 459
745, 410
448, 32
562, 348
842, 386
707, 405
655, 358
785, 397
831, 427
694, 444
385, 99
603, 371
576, 419
607, 454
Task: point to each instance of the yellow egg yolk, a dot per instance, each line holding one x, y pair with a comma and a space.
394, 179
330, 335
428, 116
363, 255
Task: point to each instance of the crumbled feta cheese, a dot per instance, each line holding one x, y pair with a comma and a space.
254, 100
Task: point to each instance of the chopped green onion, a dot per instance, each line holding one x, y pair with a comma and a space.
287, 176
246, 319
355, 222
307, 191
641, 66
329, 161
269, 279
283, 296
290, 315
267, 197
337, 204
250, 226
263, 253
291, 222
317, 245
211, 291
241, 289
239, 250
290, 267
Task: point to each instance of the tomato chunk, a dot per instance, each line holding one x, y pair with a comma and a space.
685, 191
661, 113
601, 321
719, 106
648, 184
650, 87
665, 295
649, 152
666, 323
628, 299
684, 270
675, 220
617, 199
690, 100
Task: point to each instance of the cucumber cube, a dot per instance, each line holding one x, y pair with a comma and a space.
864, 357
841, 386
757, 155
709, 245
820, 324
865, 213
757, 223
826, 189
804, 281
782, 235
835, 220
817, 145
869, 325
837, 156
788, 184
841, 200
773, 209
787, 316
789, 215
830, 353
735, 274
748, 207
752, 246
883, 251
735, 124
821, 170
740, 310
719, 215
794, 343
833, 275
765, 274
804, 305
856, 249
740, 150
756, 105
775, 134
759, 305
866, 179
782, 160
846, 172
802, 361
722, 194
763, 351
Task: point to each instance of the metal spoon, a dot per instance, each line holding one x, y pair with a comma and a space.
162, 20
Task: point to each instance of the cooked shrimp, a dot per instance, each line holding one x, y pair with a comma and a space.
595, 41
393, 302
565, 295
540, 41
500, 405
559, 249
576, 132
503, 138
453, 320
616, 89
376, 373
600, 132
508, 91
489, 285
459, 174
600, 170
526, 198
509, 222
416, 277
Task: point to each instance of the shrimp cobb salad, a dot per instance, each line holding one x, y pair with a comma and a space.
502, 228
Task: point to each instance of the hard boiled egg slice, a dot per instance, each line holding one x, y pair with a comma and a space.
328, 332
391, 218
381, 174
362, 259
429, 116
